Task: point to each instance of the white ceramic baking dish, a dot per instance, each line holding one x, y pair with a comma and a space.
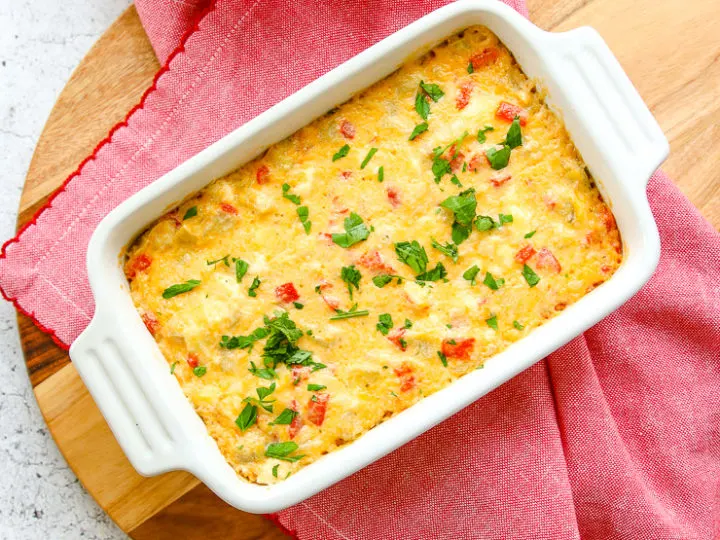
123, 367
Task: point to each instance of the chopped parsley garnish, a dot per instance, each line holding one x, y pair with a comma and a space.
383, 279
369, 156
180, 288
498, 159
481, 137
284, 418
513, 139
492, 322
303, 213
463, 206
381, 174
274, 470
298, 305
316, 387
199, 371
222, 260
351, 276
530, 234
295, 199
530, 276
440, 168
263, 392
385, 323
263, 373
412, 254
449, 249
408, 323
243, 342
252, 291
432, 90
282, 451
420, 128
191, 212
421, 105
355, 231
442, 357
172, 367
504, 218
247, 417
353, 312
471, 273
492, 282
517, 325
241, 268
455, 180
484, 223
435, 274
470, 68
344, 151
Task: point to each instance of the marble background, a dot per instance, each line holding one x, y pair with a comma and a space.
41, 42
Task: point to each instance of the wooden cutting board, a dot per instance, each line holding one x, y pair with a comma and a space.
670, 49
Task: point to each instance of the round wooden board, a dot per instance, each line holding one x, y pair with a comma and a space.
679, 83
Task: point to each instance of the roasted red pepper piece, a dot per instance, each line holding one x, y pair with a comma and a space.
287, 293
317, 407
460, 348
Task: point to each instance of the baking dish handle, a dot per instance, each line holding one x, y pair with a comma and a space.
611, 109
125, 397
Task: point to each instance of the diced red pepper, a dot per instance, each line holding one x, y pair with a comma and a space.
478, 161
393, 196
406, 376
317, 407
547, 261
463, 95
457, 161
460, 348
262, 176
151, 322
228, 208
524, 254
607, 218
193, 360
332, 302
508, 111
287, 293
396, 338
346, 174
299, 373
498, 179
347, 129
139, 263
327, 237
296, 423
484, 58
372, 260
605, 268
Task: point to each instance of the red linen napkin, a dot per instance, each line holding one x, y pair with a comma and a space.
617, 435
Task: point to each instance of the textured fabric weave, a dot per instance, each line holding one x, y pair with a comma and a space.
616, 435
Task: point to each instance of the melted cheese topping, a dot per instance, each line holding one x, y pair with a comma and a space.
370, 376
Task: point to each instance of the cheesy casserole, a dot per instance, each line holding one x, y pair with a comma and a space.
373, 257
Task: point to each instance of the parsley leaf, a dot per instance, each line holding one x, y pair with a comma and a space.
498, 159
243, 342
295, 199
355, 231
484, 223
264, 373
381, 174
493, 283
369, 156
530, 276
172, 367
252, 291
247, 417
298, 305
353, 312
462, 205
513, 139
440, 168
408, 323
421, 105
470, 68
180, 288
265, 391
412, 254
383, 279
481, 137
284, 418
517, 325
503, 219
455, 180
449, 249
385, 323
316, 387
241, 268
191, 212
282, 451
435, 274
492, 322
530, 234
432, 90
442, 357
420, 128
344, 151
351, 276
222, 260
471, 273
199, 371
303, 213
274, 470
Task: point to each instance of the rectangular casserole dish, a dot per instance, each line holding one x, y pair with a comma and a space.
124, 370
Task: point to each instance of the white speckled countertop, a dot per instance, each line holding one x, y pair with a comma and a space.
41, 42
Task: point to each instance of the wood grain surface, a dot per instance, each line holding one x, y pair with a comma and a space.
669, 48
